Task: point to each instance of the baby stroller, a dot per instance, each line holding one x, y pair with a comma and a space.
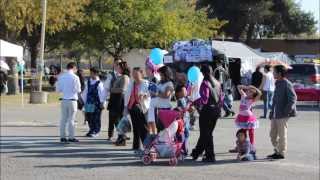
168, 143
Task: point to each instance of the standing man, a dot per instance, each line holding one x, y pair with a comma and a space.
283, 107
268, 86
69, 85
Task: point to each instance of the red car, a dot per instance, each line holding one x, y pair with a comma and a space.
306, 81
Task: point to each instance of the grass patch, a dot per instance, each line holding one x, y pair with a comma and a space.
53, 97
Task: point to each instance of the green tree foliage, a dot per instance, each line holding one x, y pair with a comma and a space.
181, 21
263, 17
117, 26
20, 20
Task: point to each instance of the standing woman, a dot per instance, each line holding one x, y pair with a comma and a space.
116, 100
137, 102
210, 111
162, 99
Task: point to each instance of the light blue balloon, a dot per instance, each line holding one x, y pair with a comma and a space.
156, 56
194, 74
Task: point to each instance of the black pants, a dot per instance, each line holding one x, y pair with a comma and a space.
114, 118
207, 122
138, 125
94, 122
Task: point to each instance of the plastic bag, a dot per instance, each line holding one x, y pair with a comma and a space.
124, 125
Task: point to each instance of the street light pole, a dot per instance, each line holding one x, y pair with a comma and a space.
43, 31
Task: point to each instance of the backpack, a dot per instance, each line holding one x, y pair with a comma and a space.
216, 101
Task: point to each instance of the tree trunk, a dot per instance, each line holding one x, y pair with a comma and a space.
90, 62
33, 41
100, 62
13, 84
249, 33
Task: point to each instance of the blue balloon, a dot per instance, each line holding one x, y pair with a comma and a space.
156, 56
194, 74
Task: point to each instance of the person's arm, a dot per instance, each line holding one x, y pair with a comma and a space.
241, 89
84, 93
127, 93
77, 85
204, 94
257, 98
58, 85
101, 93
144, 91
107, 85
123, 85
263, 81
167, 93
292, 98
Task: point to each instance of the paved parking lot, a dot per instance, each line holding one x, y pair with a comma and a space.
30, 151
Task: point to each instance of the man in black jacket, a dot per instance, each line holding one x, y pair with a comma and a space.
283, 107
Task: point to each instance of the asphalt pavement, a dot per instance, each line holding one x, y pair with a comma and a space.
30, 150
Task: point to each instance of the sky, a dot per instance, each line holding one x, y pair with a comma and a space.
312, 6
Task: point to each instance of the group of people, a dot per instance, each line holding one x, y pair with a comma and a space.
126, 93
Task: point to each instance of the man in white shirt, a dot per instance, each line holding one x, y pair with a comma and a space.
69, 85
268, 87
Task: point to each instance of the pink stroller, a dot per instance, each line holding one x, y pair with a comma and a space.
168, 143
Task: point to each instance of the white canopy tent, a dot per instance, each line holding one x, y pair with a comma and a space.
248, 56
280, 56
12, 50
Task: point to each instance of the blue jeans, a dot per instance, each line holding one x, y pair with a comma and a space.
227, 103
94, 122
267, 101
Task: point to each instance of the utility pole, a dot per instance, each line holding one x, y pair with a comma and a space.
43, 32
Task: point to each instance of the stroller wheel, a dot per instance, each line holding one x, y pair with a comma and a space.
146, 160
153, 156
173, 161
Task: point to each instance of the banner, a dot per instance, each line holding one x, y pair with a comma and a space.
193, 51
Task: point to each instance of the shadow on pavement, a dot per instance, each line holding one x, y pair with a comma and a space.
138, 163
299, 107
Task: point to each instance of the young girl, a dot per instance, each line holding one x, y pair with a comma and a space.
246, 119
162, 99
245, 150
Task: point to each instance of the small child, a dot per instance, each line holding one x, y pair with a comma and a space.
246, 119
184, 106
245, 149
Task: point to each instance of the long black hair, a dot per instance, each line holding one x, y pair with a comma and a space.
207, 74
125, 69
167, 73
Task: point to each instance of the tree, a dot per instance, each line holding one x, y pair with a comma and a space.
118, 26
21, 21
263, 17
182, 21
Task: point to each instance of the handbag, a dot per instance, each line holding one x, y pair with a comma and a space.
124, 125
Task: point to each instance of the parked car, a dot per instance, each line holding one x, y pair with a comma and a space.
306, 81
